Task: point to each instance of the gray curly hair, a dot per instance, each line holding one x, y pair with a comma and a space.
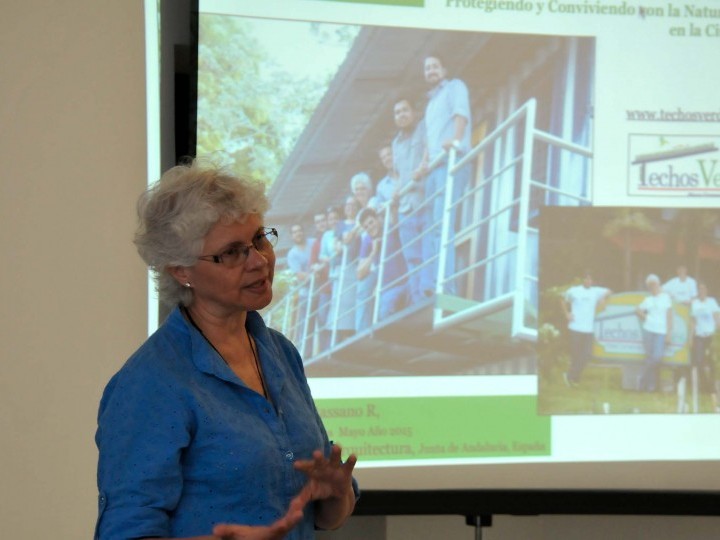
176, 213
361, 178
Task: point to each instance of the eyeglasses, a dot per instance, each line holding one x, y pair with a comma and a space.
237, 253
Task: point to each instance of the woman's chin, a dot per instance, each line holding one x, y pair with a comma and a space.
257, 298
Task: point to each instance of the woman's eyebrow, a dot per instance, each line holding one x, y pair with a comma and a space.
233, 243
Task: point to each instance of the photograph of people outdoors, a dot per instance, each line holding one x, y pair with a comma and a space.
406, 169
628, 312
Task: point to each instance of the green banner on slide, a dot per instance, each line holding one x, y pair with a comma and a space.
406, 3
437, 427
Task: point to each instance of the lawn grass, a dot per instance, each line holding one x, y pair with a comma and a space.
600, 390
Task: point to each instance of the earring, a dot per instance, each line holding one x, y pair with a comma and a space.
187, 285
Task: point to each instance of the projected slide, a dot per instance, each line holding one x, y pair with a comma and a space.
471, 197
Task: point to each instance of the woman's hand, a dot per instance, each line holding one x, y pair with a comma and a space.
330, 483
328, 477
276, 531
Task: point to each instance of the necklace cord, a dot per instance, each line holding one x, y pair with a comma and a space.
256, 360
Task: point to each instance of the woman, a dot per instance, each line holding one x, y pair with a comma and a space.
655, 312
211, 421
362, 189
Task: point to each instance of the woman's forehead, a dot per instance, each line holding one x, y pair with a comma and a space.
234, 230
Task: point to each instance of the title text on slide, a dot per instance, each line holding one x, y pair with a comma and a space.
598, 7
587, 7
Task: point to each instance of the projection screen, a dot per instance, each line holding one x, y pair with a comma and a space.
488, 322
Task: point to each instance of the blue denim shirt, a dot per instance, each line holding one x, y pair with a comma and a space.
185, 444
447, 100
408, 150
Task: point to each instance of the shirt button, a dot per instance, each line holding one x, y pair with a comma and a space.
289, 456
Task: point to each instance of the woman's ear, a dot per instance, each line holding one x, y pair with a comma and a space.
182, 275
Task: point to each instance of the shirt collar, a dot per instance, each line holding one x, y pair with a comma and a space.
439, 86
207, 360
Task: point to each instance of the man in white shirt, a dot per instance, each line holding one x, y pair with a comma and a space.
682, 288
580, 303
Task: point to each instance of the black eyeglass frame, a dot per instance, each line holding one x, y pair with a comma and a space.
269, 234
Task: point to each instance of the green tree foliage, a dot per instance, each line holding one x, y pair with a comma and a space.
626, 224
250, 111
689, 229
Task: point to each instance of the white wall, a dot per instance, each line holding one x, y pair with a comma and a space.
72, 289
72, 146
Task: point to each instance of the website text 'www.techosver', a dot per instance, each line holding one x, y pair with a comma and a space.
672, 115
